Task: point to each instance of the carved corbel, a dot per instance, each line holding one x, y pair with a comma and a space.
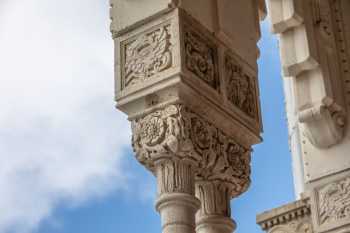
324, 123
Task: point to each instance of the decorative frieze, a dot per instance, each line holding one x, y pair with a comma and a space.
146, 55
333, 202
201, 57
240, 87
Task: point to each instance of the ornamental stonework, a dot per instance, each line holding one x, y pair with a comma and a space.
177, 132
334, 202
240, 87
201, 57
146, 55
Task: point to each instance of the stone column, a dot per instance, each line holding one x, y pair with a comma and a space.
189, 86
176, 202
216, 187
214, 215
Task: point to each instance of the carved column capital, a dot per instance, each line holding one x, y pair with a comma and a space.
176, 132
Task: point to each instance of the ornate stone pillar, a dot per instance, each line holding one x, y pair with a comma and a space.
216, 188
189, 86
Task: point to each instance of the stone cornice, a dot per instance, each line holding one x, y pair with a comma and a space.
284, 214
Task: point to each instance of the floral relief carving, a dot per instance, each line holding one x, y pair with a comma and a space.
200, 58
334, 201
240, 88
176, 131
147, 55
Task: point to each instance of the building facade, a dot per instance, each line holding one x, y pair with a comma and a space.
314, 40
186, 76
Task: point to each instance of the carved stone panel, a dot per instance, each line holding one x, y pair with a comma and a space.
240, 87
333, 202
201, 57
146, 55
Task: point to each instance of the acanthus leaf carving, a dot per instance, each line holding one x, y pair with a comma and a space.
177, 132
147, 55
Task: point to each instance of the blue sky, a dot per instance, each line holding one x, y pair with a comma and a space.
67, 164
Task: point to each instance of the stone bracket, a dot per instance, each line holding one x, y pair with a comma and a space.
324, 123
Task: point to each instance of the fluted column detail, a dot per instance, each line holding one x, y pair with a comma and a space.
214, 215
176, 202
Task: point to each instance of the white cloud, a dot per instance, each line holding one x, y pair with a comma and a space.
60, 138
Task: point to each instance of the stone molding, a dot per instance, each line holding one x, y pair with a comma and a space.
312, 53
176, 132
291, 218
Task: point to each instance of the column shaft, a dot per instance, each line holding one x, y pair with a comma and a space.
215, 212
176, 202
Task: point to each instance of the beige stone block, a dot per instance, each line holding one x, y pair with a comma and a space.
176, 59
331, 203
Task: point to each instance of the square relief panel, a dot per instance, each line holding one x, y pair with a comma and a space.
240, 87
332, 203
200, 55
146, 55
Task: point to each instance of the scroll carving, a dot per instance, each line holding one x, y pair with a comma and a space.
177, 132
240, 88
147, 55
334, 201
201, 58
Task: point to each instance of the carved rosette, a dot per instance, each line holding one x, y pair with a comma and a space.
177, 133
201, 57
334, 201
240, 87
147, 55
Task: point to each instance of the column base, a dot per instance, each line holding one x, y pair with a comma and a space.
177, 211
215, 224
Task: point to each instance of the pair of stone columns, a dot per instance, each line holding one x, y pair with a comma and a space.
186, 75
198, 169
